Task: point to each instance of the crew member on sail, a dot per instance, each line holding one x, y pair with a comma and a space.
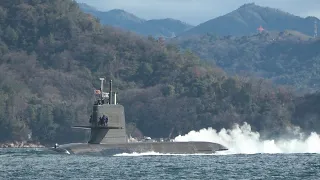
103, 121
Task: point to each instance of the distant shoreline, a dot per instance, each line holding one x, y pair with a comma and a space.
22, 144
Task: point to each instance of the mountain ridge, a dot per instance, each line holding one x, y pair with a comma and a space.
247, 18
242, 21
155, 27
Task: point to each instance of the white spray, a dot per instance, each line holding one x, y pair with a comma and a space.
242, 140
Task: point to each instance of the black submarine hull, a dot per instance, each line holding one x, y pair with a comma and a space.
141, 147
108, 134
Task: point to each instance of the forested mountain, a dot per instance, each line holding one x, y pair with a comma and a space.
246, 19
288, 57
51, 52
127, 21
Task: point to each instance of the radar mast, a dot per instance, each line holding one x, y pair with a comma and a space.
112, 96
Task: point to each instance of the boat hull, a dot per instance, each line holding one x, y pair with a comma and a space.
141, 147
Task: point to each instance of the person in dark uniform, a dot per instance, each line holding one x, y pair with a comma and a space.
90, 120
100, 121
107, 120
104, 120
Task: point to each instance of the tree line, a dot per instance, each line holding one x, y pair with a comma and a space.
52, 55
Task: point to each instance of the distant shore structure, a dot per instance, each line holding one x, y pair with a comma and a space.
260, 29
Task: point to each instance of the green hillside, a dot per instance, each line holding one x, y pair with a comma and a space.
287, 58
51, 53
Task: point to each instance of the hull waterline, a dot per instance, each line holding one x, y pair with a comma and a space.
140, 147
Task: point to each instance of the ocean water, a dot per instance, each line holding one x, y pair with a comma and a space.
249, 157
42, 164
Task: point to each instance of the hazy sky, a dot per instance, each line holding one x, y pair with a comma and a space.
198, 11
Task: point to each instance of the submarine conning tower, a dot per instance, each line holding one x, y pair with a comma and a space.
107, 122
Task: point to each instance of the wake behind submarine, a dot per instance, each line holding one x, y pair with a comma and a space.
108, 134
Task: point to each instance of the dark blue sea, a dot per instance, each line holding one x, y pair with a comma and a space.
43, 164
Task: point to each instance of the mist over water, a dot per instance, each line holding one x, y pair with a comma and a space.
242, 140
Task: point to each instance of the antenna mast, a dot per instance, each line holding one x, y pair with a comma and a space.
101, 87
110, 92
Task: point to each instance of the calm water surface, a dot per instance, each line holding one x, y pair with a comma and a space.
41, 164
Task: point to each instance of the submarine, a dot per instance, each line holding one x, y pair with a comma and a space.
108, 134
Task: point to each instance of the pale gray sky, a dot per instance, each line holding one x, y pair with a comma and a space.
198, 11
